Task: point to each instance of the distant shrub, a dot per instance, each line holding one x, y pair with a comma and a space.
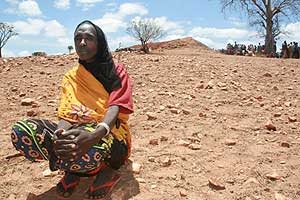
39, 53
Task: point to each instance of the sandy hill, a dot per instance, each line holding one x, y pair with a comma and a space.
187, 42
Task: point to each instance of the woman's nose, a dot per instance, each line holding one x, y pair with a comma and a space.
82, 42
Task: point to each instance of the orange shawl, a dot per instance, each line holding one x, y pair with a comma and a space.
84, 100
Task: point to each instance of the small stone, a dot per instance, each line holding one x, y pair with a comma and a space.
221, 85
151, 159
151, 116
27, 102
194, 146
166, 162
209, 85
175, 110
292, 119
31, 113
140, 180
153, 142
136, 167
164, 138
213, 183
273, 176
202, 114
183, 143
277, 114
186, 112
252, 181
153, 186
230, 142
285, 144
267, 75
49, 173
161, 108
270, 126
183, 192
14, 89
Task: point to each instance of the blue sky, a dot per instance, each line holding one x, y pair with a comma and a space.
48, 25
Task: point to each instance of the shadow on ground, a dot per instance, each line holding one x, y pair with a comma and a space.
126, 188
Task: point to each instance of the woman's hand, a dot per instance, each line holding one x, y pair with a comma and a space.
74, 143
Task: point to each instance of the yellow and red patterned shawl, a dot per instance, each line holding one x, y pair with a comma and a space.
84, 100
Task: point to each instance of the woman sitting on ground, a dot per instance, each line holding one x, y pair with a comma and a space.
92, 137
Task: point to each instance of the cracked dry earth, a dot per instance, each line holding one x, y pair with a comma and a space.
206, 126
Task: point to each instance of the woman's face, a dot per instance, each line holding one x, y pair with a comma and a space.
86, 42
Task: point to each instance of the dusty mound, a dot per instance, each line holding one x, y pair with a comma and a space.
187, 42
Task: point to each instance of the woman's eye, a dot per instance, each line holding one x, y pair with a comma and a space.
90, 38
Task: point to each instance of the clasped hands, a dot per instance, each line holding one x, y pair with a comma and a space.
71, 144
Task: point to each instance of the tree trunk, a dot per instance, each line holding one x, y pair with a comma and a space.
144, 47
0, 52
269, 40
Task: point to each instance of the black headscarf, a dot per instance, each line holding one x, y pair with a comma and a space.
103, 67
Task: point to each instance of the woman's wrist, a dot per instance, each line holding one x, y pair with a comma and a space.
104, 125
63, 124
100, 132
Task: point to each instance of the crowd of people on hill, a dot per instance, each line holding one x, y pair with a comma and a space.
291, 50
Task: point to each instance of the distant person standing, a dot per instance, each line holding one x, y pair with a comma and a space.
290, 49
295, 50
284, 49
259, 49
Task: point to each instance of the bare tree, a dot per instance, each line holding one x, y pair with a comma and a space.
6, 32
266, 15
70, 48
145, 31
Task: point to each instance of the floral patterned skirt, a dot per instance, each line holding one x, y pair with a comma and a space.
32, 137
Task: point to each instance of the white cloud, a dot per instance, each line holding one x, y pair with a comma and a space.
237, 22
62, 4
54, 29
37, 26
86, 4
170, 27
29, 27
132, 9
64, 41
219, 38
24, 53
167, 25
233, 33
124, 41
293, 30
30, 8
209, 42
13, 2
111, 22
7, 53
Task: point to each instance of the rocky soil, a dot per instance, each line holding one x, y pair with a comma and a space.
206, 126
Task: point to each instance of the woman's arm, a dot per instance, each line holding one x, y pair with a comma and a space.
109, 119
63, 124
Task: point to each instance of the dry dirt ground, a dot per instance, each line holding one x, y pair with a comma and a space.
206, 126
